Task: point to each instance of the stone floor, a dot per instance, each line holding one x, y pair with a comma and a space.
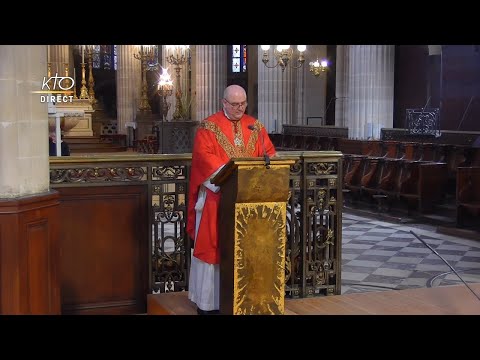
382, 255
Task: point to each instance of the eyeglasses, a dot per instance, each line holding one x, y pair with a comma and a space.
236, 106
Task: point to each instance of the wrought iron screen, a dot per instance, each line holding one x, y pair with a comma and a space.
423, 121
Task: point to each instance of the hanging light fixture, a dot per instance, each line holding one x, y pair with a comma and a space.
283, 55
318, 67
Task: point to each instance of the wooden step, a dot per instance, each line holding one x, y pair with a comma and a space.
92, 144
81, 139
94, 149
89, 145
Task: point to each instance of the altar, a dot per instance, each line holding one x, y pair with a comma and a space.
75, 118
70, 119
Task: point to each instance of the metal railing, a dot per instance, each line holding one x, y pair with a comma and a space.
313, 257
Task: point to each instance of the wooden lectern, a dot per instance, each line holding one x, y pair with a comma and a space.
252, 235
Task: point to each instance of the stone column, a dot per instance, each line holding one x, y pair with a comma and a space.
127, 86
137, 82
23, 121
340, 87
59, 55
29, 212
276, 95
300, 99
211, 79
369, 84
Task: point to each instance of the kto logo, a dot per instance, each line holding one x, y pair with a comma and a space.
58, 87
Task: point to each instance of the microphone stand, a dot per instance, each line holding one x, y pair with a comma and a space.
328, 106
326, 109
446, 262
465, 112
265, 155
428, 100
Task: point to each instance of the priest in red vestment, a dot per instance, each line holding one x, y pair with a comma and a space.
221, 136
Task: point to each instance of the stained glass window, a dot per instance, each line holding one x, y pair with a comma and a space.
96, 56
244, 57
239, 58
115, 57
104, 56
154, 61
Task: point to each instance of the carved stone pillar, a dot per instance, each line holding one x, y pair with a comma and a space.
368, 86
211, 79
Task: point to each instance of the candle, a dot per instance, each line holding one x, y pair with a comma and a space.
83, 49
48, 53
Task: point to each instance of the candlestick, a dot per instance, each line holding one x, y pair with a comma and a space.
74, 83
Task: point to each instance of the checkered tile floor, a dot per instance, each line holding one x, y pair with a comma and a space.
378, 255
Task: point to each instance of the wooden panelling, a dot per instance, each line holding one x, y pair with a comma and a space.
104, 253
411, 81
325, 130
38, 260
460, 90
446, 137
29, 255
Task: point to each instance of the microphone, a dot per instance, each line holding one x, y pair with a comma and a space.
446, 262
265, 155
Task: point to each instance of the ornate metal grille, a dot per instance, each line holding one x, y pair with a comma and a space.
313, 251
423, 121
323, 226
293, 256
170, 245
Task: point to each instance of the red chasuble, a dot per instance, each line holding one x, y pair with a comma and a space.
217, 140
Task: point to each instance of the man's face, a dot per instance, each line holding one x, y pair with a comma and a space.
235, 105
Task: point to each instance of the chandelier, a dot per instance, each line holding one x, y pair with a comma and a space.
318, 67
283, 55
